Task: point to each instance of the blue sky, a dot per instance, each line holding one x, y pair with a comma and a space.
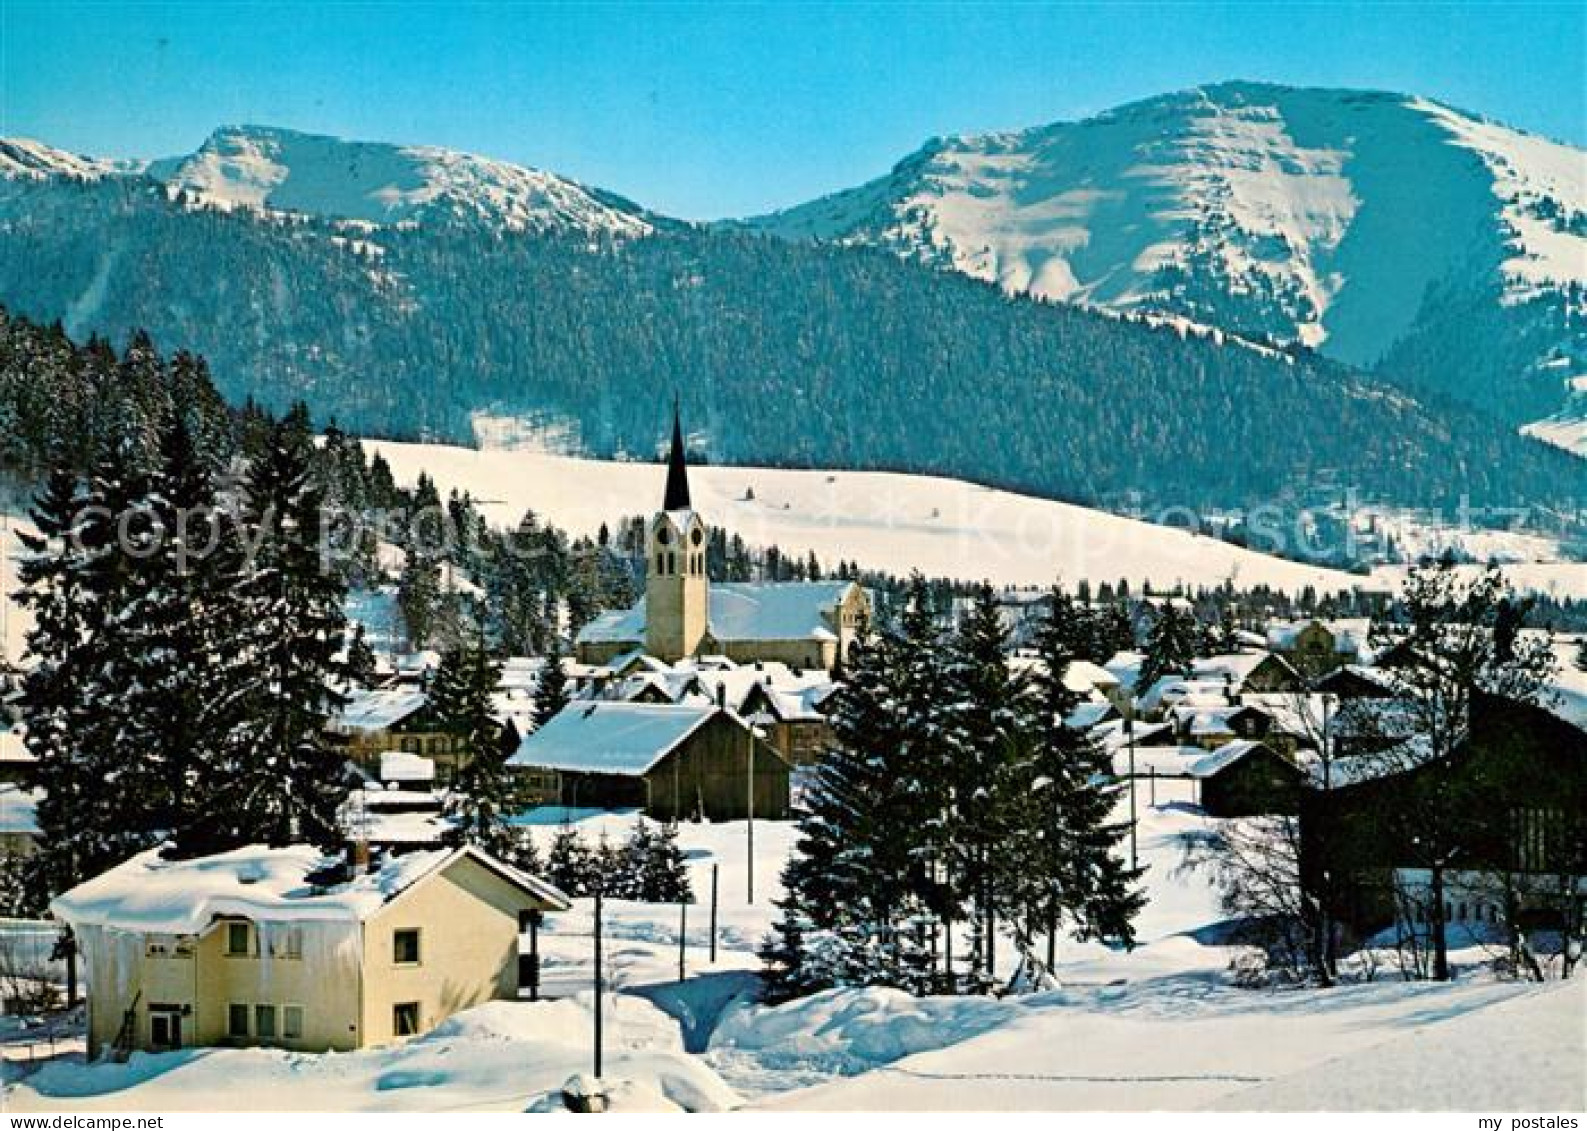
710, 109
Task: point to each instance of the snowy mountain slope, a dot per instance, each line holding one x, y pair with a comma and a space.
23, 158
944, 527
271, 169
1315, 216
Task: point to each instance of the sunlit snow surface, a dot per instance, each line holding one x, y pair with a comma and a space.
1159, 1027
943, 527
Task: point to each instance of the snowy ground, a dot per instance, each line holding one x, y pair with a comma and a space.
1160, 1027
944, 527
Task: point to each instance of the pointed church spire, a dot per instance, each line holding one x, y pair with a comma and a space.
677, 498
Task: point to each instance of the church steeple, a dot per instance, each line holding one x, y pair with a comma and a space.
677, 497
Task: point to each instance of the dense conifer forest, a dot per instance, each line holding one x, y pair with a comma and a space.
783, 354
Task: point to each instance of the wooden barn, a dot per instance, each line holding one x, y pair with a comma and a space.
673, 761
1511, 802
1248, 779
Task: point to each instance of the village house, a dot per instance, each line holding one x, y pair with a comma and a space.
1506, 805
374, 721
1248, 779
1213, 727
1250, 672
19, 822
809, 624
289, 948
671, 761
1314, 647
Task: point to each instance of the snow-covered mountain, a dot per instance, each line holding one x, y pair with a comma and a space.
24, 159
1353, 222
278, 170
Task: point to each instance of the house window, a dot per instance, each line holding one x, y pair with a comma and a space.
264, 1022
405, 947
237, 1021
292, 1022
286, 942
405, 1019
238, 942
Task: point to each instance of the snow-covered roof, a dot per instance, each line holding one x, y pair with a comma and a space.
1087, 715
19, 810
1125, 667
1236, 666
1203, 721
740, 611
611, 737
149, 894
1223, 757
378, 709
397, 765
1163, 761
13, 745
1176, 690
1082, 676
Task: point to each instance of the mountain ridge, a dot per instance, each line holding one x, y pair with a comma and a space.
1304, 215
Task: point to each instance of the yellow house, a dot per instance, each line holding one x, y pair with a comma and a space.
287, 947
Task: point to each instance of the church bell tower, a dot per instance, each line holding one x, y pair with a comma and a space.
677, 594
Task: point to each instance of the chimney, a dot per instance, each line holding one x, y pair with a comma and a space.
358, 856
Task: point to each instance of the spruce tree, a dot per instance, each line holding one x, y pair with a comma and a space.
569, 863
662, 874
79, 832
287, 785
481, 800
853, 902
361, 665
1072, 869
551, 694
1171, 646
187, 708
987, 725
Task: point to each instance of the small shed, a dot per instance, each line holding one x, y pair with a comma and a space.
1247, 779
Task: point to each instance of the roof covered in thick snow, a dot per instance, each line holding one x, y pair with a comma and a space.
19, 810
378, 709
782, 610
1225, 756
604, 737
149, 894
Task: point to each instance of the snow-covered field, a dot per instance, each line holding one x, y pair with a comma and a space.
1159, 1027
944, 527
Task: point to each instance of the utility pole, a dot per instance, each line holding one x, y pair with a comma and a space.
600, 986
1129, 735
715, 868
750, 829
683, 933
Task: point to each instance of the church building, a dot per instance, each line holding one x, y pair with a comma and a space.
804, 624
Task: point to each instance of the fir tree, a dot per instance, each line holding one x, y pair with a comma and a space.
287, 786
79, 835
1171, 646
482, 798
852, 885
989, 731
551, 694
656, 864
569, 863
361, 665
187, 707
1071, 869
